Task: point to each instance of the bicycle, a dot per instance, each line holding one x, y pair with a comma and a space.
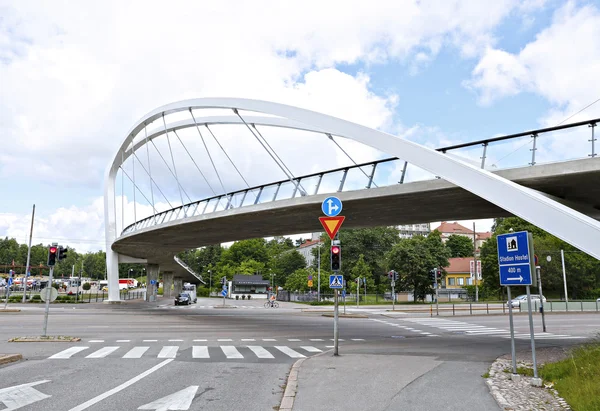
273, 304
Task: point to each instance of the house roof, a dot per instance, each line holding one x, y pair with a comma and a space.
459, 265
309, 243
249, 279
484, 236
453, 228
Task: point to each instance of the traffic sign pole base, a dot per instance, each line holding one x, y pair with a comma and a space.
536, 382
515, 377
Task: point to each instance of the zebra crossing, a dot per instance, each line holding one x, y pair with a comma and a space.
229, 352
196, 306
403, 327
461, 327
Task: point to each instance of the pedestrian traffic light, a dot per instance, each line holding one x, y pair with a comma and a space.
62, 253
336, 258
52, 251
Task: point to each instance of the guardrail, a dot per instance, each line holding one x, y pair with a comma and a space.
288, 189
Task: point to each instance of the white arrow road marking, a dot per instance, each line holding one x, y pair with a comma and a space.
181, 400
121, 387
21, 395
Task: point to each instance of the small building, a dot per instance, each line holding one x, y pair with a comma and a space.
249, 287
458, 273
306, 250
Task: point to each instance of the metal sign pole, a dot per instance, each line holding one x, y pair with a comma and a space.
28, 255
336, 330
357, 291
513, 352
538, 270
437, 294
393, 295
48, 300
536, 380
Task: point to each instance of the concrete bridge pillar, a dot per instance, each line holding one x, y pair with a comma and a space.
152, 282
177, 285
167, 284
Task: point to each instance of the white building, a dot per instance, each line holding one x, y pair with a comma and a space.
410, 230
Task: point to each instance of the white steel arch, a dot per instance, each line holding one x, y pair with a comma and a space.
567, 224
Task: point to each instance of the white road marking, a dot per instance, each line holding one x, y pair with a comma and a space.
231, 352
121, 387
260, 351
200, 351
22, 395
294, 339
122, 341
248, 339
269, 339
168, 351
149, 340
181, 400
358, 339
136, 352
224, 339
96, 341
103, 352
175, 340
199, 340
316, 339
287, 350
310, 348
68, 352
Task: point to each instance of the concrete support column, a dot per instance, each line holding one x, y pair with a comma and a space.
167, 283
177, 285
112, 276
152, 282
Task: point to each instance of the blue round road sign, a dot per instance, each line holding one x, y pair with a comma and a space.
331, 206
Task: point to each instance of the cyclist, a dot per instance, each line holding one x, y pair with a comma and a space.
272, 298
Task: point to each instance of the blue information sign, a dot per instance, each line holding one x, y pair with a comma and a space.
514, 258
224, 293
331, 206
336, 281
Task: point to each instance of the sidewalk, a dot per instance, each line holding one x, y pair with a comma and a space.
369, 382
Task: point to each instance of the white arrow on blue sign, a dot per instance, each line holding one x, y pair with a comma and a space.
514, 258
331, 206
224, 293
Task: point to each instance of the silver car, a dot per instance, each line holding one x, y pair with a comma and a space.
517, 301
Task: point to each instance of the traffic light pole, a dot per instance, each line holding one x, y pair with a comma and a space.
437, 294
336, 330
48, 301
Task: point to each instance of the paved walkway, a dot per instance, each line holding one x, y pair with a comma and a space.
368, 382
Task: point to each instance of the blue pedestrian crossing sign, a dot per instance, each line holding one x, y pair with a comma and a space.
224, 293
336, 281
514, 258
331, 206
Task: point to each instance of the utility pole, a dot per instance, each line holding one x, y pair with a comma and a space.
28, 255
475, 263
319, 272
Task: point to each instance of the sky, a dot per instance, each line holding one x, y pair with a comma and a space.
75, 77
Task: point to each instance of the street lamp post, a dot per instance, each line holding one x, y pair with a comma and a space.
209, 283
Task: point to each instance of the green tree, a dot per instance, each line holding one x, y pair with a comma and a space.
298, 280
362, 270
286, 263
459, 246
86, 286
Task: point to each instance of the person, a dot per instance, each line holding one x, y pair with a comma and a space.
272, 298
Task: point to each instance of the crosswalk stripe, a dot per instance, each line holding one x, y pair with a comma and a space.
168, 351
224, 339
200, 340
287, 350
358, 339
200, 351
68, 352
248, 339
102, 352
96, 341
316, 339
231, 352
260, 351
136, 352
122, 341
293, 339
310, 348
269, 339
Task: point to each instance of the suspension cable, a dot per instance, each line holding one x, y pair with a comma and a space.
152, 180
348, 155
149, 171
165, 161
194, 161
289, 176
207, 151
173, 160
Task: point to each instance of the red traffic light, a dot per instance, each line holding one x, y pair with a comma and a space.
335, 250
53, 250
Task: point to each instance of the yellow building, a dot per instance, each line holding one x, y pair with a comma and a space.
458, 273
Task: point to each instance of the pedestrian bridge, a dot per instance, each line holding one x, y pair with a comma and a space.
562, 197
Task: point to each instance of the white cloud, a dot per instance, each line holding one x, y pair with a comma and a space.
75, 77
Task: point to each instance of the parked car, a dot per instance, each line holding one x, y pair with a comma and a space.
183, 299
517, 301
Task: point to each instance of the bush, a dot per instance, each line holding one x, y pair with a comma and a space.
55, 285
86, 286
36, 297
202, 292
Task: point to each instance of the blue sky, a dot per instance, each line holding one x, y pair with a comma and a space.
434, 71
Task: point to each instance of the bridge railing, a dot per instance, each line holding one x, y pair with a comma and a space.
383, 172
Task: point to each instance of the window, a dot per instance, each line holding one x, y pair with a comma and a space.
451, 281
461, 281
469, 281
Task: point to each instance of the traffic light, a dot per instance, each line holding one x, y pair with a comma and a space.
52, 252
432, 275
62, 253
336, 258
439, 274
396, 276
223, 280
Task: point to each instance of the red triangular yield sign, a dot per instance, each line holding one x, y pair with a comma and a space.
332, 224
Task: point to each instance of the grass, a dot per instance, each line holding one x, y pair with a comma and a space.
577, 378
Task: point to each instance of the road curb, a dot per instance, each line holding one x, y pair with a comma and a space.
8, 358
9, 310
291, 387
346, 315
33, 339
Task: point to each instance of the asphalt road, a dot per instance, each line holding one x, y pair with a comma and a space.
133, 355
